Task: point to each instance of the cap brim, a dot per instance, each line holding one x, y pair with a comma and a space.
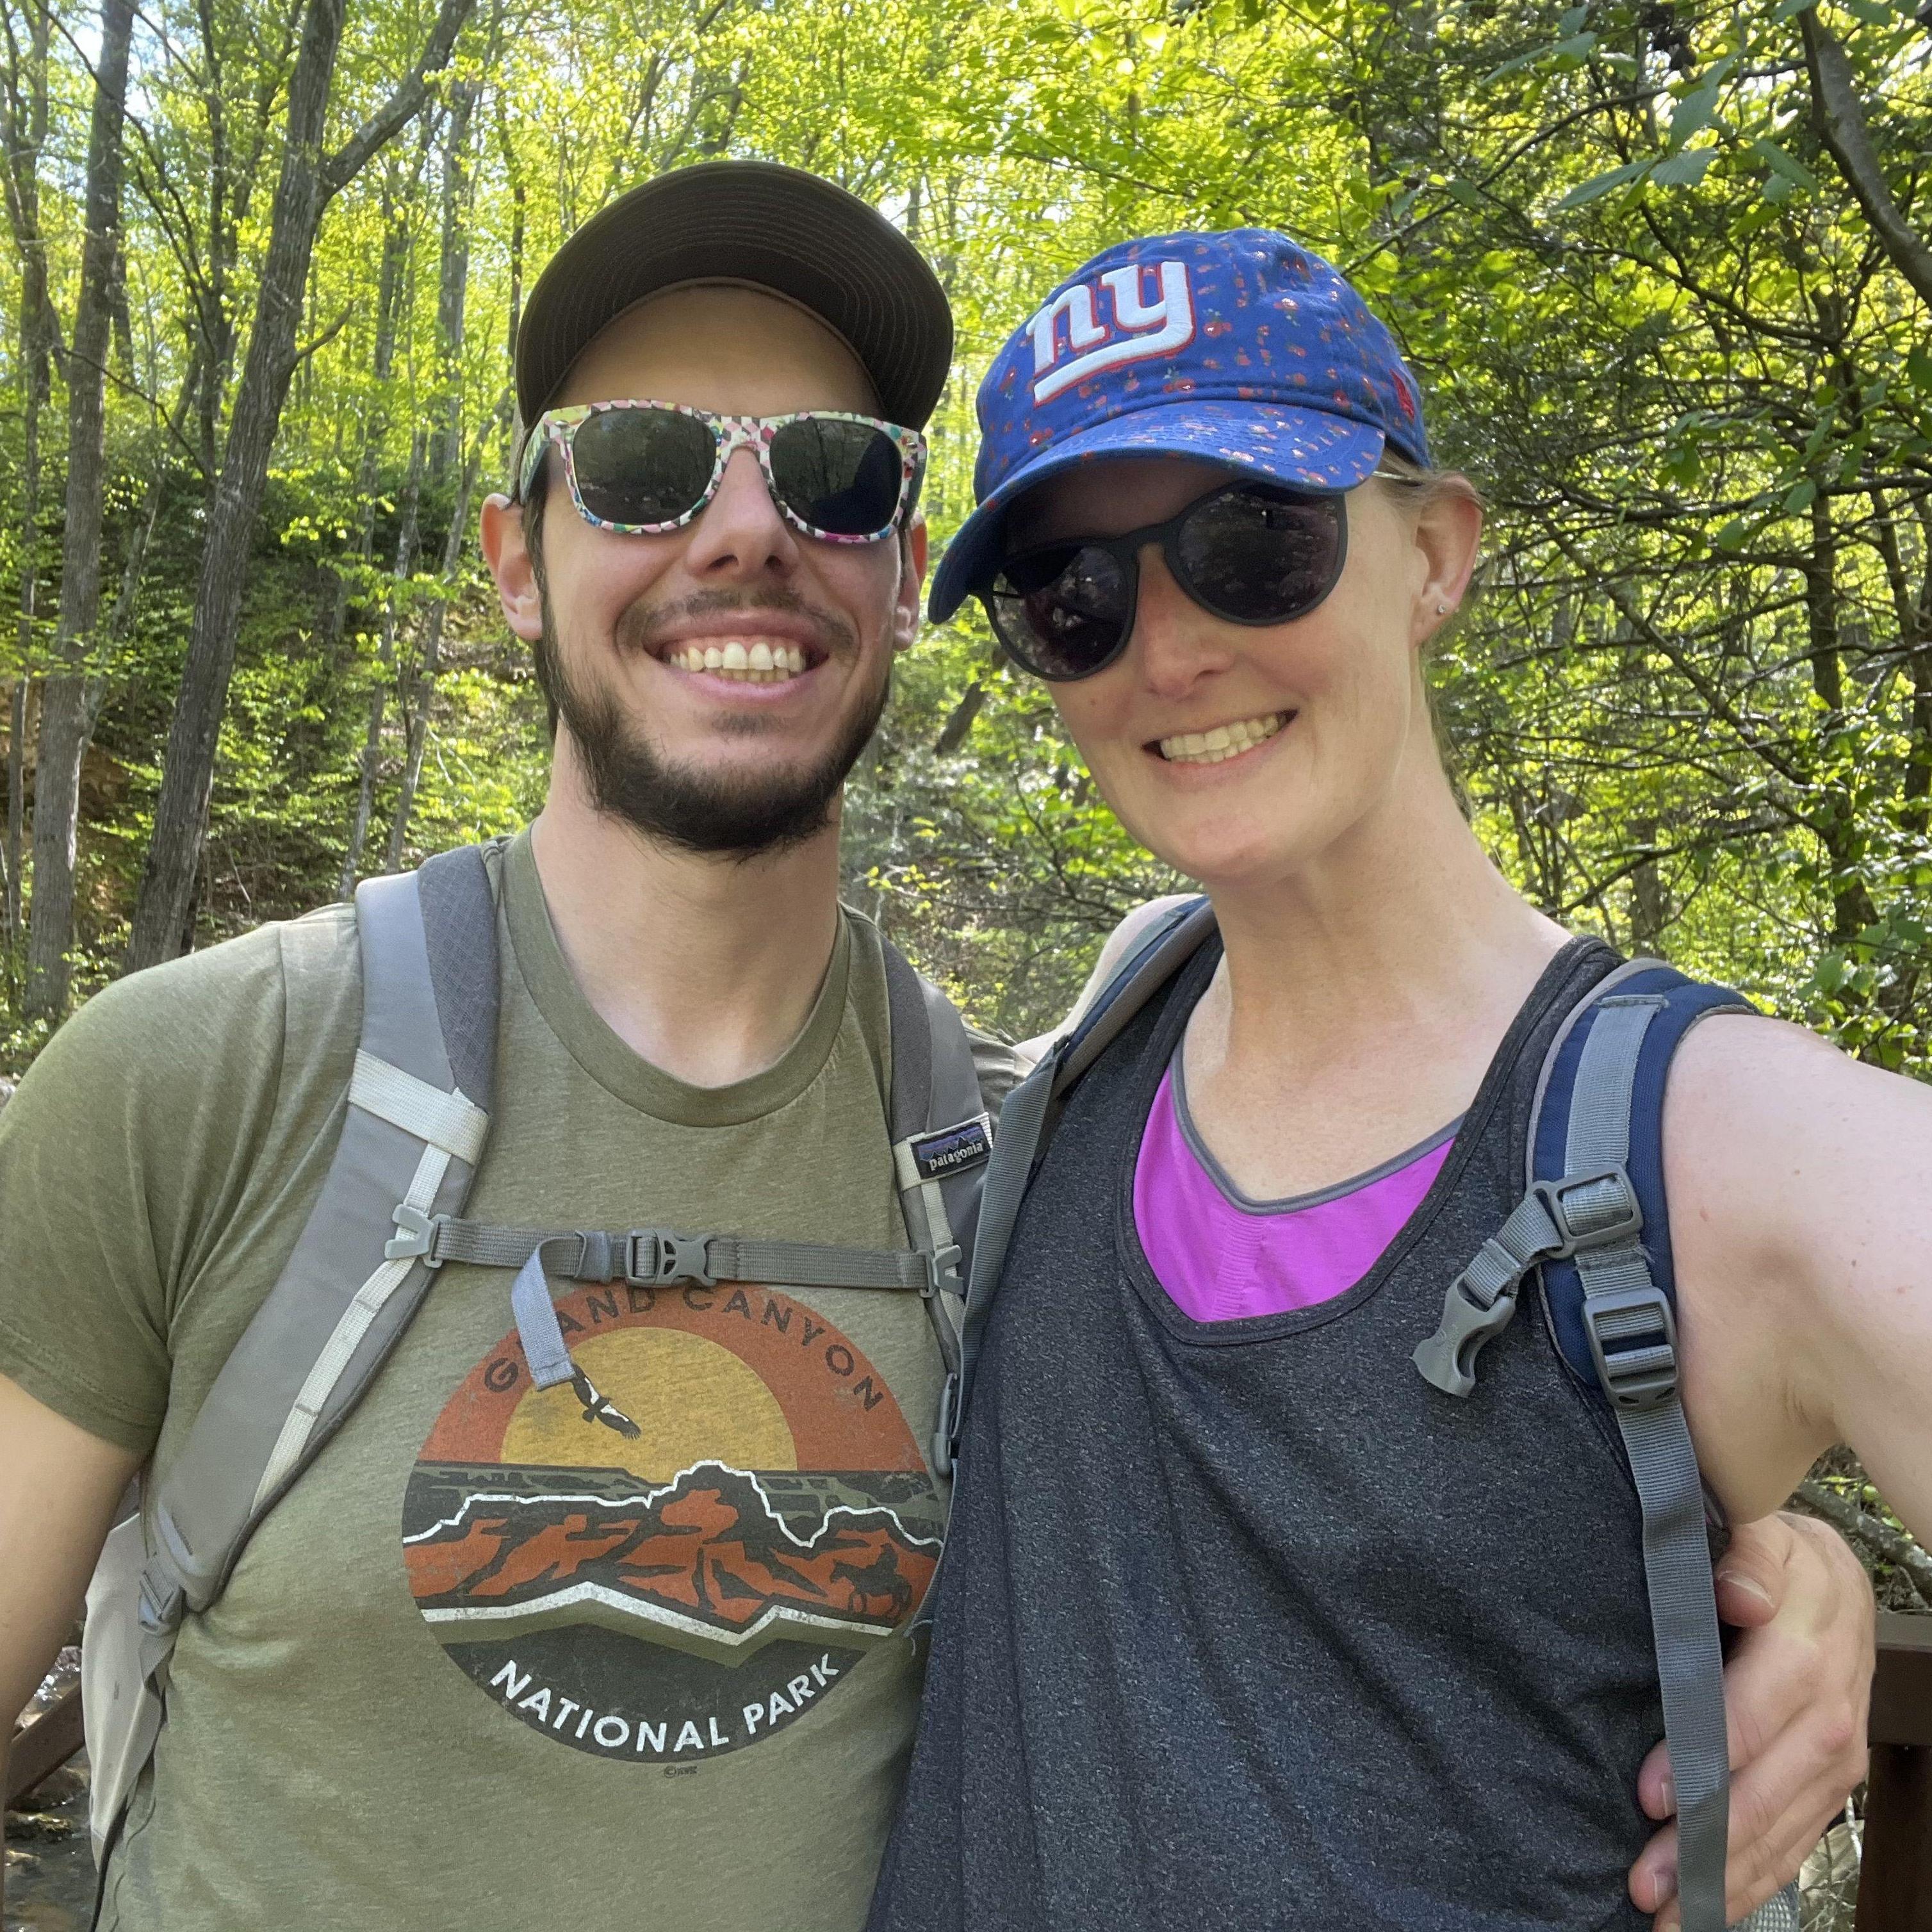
757, 222
1306, 449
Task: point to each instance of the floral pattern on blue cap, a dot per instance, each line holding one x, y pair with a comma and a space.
1238, 346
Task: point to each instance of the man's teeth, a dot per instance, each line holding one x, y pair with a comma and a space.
1225, 741
758, 663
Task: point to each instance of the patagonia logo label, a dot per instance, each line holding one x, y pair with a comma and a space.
938, 1156
1114, 325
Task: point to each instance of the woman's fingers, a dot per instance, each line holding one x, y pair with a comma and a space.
1796, 1690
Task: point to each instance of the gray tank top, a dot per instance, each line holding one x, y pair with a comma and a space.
1244, 1624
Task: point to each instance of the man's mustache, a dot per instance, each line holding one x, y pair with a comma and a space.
644, 624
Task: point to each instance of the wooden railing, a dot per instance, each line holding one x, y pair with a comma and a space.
44, 1746
1895, 1875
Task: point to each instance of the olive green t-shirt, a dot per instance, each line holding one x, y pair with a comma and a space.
492, 1664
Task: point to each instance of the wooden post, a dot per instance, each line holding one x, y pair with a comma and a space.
1895, 1873
44, 1746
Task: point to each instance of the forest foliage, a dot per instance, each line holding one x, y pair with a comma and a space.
1664, 266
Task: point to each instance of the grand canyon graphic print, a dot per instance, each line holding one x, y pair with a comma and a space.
695, 1587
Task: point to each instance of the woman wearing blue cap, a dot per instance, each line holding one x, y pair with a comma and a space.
1297, 1575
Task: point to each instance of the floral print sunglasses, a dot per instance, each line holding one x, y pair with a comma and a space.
640, 468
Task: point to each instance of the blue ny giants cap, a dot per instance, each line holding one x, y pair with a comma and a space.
1238, 347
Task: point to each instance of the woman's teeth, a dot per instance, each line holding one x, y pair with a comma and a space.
1225, 741
759, 663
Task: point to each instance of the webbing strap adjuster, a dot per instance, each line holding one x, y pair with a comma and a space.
1590, 1210
942, 1269
1632, 1338
416, 1237
655, 1258
159, 1609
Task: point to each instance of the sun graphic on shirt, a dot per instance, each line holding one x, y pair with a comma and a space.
693, 1401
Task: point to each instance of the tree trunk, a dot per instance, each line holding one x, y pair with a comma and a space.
379, 698
1840, 122
954, 733
307, 182
167, 884
1913, 640
453, 282
1650, 904
390, 282
16, 802
216, 326
1833, 817
66, 714
423, 695
120, 626
23, 135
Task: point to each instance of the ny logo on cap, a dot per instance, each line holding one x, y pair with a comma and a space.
1140, 329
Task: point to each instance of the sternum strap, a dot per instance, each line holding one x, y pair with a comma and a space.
657, 1255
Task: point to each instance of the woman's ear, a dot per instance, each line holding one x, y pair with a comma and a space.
1448, 537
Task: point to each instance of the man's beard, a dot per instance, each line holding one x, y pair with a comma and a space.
740, 816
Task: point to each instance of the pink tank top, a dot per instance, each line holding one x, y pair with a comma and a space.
1221, 1255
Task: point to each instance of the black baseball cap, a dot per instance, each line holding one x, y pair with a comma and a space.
754, 223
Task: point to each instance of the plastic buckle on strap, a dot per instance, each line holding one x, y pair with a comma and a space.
1577, 1216
673, 1258
1447, 1360
1637, 1373
945, 1428
417, 1240
942, 1268
159, 1612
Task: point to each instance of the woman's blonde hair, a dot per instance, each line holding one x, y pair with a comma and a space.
1416, 486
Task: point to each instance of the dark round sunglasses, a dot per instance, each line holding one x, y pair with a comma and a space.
1252, 553
642, 468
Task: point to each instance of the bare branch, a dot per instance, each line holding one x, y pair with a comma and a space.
402, 106
1841, 126
1846, 1516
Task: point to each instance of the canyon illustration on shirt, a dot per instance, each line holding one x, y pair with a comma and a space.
491, 1663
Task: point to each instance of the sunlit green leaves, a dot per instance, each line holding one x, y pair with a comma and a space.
1694, 112
1646, 312
1606, 183
1684, 169
1783, 168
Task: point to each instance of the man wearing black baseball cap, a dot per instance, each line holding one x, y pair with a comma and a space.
642, 1623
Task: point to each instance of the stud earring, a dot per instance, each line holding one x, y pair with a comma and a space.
1441, 609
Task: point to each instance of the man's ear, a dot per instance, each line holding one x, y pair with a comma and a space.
511, 563
914, 545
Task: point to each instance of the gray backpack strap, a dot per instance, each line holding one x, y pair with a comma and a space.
1027, 1118
1552, 1222
1592, 1218
1633, 1338
942, 1140
412, 1134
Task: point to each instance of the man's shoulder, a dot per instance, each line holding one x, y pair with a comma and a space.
190, 1013
177, 1104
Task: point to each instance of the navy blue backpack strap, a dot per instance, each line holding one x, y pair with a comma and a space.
1675, 1005
1595, 1222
